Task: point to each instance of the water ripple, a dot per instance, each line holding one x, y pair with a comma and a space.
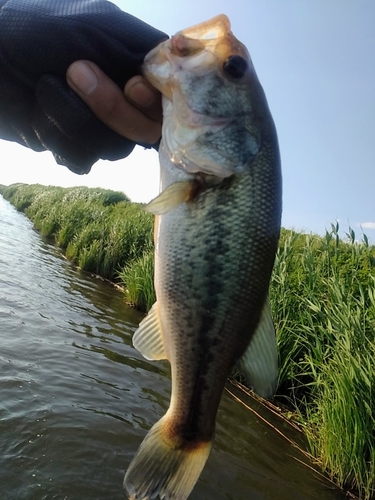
76, 398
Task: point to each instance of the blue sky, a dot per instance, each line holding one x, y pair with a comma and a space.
316, 62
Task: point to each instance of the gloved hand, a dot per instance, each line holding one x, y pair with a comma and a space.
39, 39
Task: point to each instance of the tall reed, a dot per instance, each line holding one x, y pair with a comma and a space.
323, 303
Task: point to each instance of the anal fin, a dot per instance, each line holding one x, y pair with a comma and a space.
259, 363
148, 339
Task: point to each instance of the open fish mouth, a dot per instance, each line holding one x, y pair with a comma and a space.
205, 45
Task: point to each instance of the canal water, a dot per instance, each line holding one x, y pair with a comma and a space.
76, 398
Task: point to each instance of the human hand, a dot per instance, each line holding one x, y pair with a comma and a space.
134, 113
39, 110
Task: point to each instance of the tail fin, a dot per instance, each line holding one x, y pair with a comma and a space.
165, 467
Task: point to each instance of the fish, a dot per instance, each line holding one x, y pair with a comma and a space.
217, 225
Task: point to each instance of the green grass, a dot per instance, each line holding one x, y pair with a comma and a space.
322, 296
139, 278
323, 304
99, 230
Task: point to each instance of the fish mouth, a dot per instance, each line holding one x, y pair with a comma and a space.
200, 37
179, 53
192, 40
204, 45
214, 28
153, 52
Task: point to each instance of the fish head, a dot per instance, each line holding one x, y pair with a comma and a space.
210, 92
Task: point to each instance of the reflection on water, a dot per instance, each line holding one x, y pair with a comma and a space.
76, 399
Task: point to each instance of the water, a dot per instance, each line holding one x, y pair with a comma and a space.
76, 399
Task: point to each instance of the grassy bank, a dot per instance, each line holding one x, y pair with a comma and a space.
100, 230
322, 298
323, 304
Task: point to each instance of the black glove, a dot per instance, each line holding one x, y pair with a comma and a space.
39, 39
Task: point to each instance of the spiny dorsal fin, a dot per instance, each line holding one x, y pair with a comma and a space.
148, 338
171, 197
259, 363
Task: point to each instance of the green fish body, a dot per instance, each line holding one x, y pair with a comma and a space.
216, 233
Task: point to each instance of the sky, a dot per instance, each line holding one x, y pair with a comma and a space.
316, 62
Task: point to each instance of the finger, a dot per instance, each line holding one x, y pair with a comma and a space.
107, 101
145, 97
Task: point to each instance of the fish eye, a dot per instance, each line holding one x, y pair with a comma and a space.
235, 66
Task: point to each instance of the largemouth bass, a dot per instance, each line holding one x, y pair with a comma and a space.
216, 232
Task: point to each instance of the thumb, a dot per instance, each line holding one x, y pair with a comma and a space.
107, 101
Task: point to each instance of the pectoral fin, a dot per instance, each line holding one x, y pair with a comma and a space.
170, 198
148, 338
259, 363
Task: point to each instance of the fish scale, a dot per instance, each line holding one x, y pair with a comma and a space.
216, 235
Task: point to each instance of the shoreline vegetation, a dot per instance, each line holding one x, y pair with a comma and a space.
322, 298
